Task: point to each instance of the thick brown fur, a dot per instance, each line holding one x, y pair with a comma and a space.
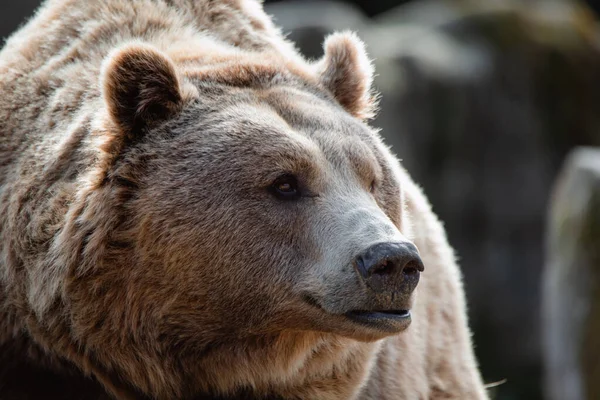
142, 254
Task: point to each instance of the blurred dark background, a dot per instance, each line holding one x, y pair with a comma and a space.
482, 100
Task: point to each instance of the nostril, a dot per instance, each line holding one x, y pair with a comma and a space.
412, 268
382, 268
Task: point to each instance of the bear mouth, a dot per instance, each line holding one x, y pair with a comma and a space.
388, 320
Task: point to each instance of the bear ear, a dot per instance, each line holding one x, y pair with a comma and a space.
346, 71
140, 87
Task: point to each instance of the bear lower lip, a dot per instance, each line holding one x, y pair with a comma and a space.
386, 320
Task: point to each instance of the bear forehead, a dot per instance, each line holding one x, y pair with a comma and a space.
287, 122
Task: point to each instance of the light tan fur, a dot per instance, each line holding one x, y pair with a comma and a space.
141, 252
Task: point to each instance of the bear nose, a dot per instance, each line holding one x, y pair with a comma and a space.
390, 267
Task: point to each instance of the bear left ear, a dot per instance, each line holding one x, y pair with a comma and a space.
346, 71
140, 87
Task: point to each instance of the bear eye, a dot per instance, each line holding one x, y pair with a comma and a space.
285, 187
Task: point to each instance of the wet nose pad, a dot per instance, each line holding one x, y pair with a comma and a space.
390, 267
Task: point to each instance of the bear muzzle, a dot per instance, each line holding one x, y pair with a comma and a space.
390, 272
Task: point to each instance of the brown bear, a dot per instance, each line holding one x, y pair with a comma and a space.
191, 210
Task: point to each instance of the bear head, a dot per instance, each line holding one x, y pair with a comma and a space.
236, 204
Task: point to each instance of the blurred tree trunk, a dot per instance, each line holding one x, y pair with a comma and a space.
571, 290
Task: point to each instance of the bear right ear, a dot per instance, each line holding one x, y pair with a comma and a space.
140, 88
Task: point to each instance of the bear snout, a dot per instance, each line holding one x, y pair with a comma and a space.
390, 267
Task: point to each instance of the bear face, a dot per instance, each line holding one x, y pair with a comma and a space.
237, 205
